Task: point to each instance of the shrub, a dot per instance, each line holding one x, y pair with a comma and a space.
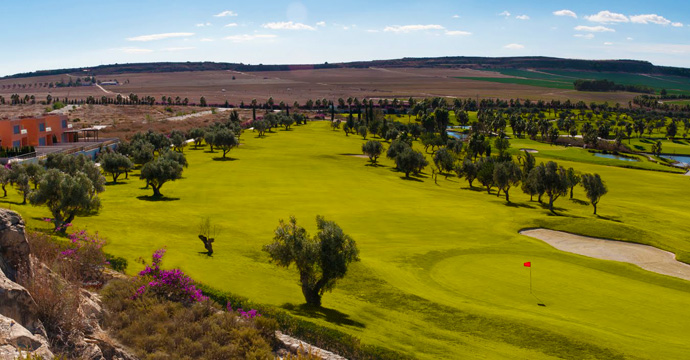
116, 263
172, 284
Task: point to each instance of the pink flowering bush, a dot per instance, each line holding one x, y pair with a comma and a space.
172, 284
84, 259
245, 314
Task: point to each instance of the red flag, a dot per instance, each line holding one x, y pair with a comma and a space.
528, 264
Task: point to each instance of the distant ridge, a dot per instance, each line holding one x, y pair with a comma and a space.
528, 62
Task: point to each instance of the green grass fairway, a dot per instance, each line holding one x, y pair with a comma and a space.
442, 273
557, 78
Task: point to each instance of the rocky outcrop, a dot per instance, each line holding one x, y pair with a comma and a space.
16, 341
297, 346
14, 248
21, 331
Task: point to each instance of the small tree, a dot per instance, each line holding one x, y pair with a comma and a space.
573, 179
594, 188
178, 140
116, 164
373, 149
198, 135
225, 140
321, 260
21, 180
207, 234
444, 161
66, 196
555, 182
468, 169
485, 172
159, 171
506, 174
362, 131
4, 179
410, 161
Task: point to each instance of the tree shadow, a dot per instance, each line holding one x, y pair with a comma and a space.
519, 205
210, 151
220, 158
375, 165
474, 188
647, 141
411, 179
638, 147
13, 202
331, 315
579, 202
609, 218
156, 198
199, 148
119, 182
681, 142
205, 253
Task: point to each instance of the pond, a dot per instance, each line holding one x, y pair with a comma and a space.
457, 135
684, 160
615, 157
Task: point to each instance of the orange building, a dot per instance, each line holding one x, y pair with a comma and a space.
35, 131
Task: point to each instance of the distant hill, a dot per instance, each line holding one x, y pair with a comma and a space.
534, 62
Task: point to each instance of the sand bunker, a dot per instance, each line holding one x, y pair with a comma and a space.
644, 256
532, 151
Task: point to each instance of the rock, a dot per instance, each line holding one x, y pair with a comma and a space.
16, 341
17, 304
14, 248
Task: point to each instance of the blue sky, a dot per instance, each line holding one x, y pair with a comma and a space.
56, 34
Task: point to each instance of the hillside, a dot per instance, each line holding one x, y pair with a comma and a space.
622, 66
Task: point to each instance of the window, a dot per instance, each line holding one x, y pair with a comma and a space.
42, 141
16, 129
16, 144
42, 127
64, 124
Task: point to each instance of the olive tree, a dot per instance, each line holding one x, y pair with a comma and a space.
506, 174
444, 161
573, 179
20, 179
4, 179
66, 196
410, 161
159, 171
555, 182
372, 149
594, 188
225, 140
321, 260
468, 169
116, 164
198, 135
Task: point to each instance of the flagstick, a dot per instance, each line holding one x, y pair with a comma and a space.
530, 279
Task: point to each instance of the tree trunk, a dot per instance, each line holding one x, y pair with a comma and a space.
156, 189
571, 192
551, 199
595, 207
4, 190
311, 295
225, 152
115, 176
25, 194
507, 196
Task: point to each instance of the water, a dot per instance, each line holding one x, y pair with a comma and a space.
615, 157
456, 135
684, 160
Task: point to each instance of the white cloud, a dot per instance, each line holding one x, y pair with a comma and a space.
231, 25
629, 38
159, 36
408, 28
522, 17
206, 40
677, 24
135, 50
584, 36
287, 25
598, 28
565, 12
649, 18
607, 17
505, 13
250, 37
458, 33
321, 23
514, 46
456, 16
608, 43
226, 13
204, 24
179, 48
